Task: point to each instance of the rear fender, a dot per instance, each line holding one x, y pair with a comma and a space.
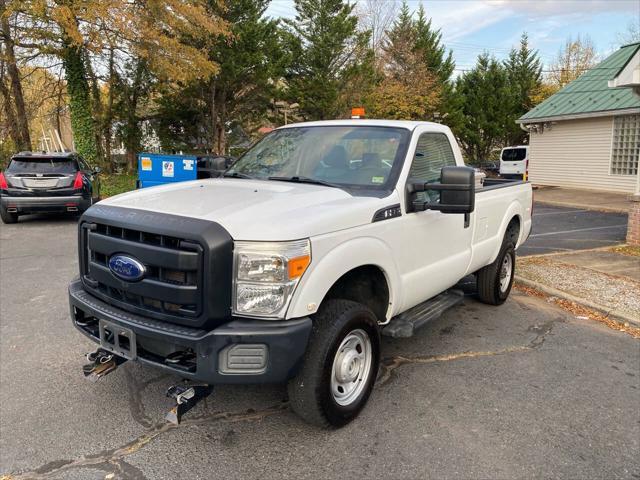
516, 209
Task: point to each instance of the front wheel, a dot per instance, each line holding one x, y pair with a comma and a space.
340, 365
495, 280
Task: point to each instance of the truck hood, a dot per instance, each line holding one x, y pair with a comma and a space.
258, 210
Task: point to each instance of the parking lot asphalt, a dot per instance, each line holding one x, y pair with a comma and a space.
524, 390
562, 229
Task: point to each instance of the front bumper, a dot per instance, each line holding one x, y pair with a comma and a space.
28, 204
285, 341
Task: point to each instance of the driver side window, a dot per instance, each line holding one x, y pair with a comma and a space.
433, 152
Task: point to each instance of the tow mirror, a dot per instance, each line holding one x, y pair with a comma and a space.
457, 192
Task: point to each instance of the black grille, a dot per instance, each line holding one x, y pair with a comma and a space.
172, 285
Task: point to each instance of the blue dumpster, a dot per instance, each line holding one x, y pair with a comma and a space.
159, 169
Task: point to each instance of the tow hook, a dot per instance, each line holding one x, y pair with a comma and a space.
186, 395
101, 363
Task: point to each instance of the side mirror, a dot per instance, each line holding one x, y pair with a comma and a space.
457, 192
97, 170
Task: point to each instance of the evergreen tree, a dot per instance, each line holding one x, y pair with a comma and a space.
414, 50
524, 71
428, 43
327, 51
250, 63
486, 115
251, 60
408, 89
399, 51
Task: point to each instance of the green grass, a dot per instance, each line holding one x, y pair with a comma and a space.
113, 183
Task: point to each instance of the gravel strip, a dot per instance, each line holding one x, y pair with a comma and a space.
616, 293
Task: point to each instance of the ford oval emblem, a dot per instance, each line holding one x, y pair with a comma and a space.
126, 268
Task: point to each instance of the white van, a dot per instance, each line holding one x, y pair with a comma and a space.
514, 161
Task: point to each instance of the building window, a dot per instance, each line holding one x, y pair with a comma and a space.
625, 149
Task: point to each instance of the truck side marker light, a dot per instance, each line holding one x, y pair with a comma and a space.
298, 265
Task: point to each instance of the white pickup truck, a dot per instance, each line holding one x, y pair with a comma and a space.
319, 239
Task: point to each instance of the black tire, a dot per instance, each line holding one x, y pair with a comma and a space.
489, 278
82, 210
8, 217
310, 393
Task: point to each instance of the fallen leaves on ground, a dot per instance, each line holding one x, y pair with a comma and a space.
627, 250
582, 311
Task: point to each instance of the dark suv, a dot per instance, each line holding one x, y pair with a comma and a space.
47, 182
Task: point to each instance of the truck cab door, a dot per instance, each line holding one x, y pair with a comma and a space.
434, 248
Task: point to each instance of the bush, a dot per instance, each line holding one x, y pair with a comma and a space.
115, 183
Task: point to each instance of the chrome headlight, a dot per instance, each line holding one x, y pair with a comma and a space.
266, 274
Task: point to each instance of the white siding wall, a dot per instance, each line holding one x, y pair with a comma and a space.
577, 154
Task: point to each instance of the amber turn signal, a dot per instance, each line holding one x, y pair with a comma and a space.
297, 266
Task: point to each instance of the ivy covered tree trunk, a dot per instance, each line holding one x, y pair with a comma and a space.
82, 124
23, 140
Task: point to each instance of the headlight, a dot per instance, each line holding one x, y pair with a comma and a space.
266, 274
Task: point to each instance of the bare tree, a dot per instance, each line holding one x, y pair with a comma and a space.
631, 34
573, 60
377, 17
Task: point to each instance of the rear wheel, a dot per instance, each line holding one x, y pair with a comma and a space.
8, 217
495, 280
340, 365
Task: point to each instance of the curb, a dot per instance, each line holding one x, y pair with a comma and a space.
574, 252
622, 316
581, 206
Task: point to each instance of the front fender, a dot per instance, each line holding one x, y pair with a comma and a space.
329, 262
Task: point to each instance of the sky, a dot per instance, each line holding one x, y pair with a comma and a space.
470, 27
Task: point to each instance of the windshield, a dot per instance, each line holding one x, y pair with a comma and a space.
42, 165
514, 154
356, 156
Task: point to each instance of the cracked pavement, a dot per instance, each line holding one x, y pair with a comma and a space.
518, 391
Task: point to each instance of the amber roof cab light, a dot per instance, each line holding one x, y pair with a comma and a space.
357, 112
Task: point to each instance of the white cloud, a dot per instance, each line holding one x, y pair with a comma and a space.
546, 21
545, 8
459, 18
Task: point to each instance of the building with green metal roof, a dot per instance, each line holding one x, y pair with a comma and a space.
587, 135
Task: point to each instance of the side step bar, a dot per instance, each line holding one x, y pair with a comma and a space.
405, 324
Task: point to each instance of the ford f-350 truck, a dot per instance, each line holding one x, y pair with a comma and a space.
320, 238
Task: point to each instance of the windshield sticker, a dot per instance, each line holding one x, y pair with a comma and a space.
377, 179
146, 164
187, 164
167, 169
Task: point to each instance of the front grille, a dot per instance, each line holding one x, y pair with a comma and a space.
172, 285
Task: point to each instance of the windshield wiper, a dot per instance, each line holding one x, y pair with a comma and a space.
236, 175
298, 179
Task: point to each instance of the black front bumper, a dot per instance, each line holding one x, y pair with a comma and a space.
285, 340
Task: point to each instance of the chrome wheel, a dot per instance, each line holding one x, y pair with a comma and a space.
506, 270
351, 367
